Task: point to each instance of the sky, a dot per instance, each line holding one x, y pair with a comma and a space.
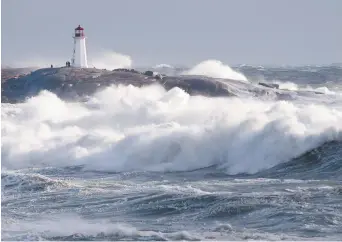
176, 32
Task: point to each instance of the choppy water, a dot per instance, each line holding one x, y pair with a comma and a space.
146, 164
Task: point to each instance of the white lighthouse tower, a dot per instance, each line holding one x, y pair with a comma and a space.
79, 58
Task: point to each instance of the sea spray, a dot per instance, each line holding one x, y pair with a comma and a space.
128, 128
215, 69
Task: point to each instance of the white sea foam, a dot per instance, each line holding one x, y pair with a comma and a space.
129, 128
73, 226
163, 66
110, 60
295, 87
215, 69
104, 59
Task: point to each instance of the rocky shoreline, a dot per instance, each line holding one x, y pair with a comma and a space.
75, 83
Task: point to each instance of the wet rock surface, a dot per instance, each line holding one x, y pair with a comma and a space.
75, 83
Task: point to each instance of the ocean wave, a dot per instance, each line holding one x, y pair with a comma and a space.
209, 209
127, 128
161, 66
110, 60
16, 181
295, 87
76, 228
322, 162
215, 69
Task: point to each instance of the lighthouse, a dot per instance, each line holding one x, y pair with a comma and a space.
79, 58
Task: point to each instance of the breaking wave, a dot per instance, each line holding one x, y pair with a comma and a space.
110, 60
295, 87
125, 128
16, 181
75, 228
215, 69
163, 66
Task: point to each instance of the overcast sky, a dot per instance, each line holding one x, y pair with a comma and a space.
177, 31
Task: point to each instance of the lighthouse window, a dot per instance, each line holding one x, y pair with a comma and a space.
78, 33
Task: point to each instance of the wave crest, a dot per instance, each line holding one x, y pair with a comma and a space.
59, 228
129, 128
215, 69
111, 60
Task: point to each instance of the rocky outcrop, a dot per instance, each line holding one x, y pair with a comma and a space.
270, 85
126, 70
74, 83
8, 73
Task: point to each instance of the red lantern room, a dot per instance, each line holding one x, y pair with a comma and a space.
79, 31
